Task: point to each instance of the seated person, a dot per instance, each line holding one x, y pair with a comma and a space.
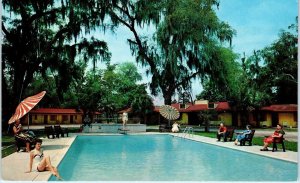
40, 162
268, 140
175, 127
242, 135
22, 137
222, 132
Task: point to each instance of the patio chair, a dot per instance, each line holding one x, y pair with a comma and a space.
164, 128
229, 134
21, 143
61, 131
49, 131
278, 140
248, 138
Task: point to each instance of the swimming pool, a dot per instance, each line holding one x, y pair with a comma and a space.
165, 158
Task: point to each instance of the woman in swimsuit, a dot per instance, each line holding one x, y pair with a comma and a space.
41, 162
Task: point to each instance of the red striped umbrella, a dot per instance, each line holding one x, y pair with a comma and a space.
26, 105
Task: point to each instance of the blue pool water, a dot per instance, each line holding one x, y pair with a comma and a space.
163, 157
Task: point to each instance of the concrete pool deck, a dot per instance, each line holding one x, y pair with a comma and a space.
15, 165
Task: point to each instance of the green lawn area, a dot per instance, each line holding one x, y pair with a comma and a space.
289, 145
8, 145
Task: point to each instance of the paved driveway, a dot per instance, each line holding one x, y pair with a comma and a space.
15, 165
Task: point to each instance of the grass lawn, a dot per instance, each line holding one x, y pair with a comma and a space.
289, 145
8, 145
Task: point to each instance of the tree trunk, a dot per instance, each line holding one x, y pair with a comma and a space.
167, 97
206, 128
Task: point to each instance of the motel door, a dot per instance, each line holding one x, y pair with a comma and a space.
71, 119
275, 119
30, 119
45, 119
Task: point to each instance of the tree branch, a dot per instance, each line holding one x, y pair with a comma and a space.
137, 38
5, 31
186, 79
40, 15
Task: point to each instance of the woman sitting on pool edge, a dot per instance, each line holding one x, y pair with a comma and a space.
278, 133
42, 162
242, 135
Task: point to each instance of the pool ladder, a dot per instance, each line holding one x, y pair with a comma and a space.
188, 131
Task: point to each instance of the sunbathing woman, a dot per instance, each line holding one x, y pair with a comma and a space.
41, 162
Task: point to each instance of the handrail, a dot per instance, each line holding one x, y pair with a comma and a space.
188, 131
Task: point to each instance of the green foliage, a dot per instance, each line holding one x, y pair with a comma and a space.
269, 76
279, 71
227, 88
108, 90
113, 89
186, 44
141, 102
43, 35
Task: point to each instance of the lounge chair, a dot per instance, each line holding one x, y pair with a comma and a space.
248, 138
164, 128
49, 131
278, 140
61, 131
123, 130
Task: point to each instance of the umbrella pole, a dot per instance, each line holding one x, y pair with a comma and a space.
22, 86
28, 122
8, 128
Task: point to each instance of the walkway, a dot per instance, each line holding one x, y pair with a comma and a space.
15, 165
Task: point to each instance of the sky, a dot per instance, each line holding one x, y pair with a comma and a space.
257, 23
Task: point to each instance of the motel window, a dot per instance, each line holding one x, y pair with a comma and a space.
52, 117
35, 117
65, 117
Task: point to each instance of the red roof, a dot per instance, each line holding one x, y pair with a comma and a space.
281, 108
128, 110
220, 106
156, 108
55, 111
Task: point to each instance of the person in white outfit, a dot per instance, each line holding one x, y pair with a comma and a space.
175, 127
124, 119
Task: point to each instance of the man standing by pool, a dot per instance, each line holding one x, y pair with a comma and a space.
222, 132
